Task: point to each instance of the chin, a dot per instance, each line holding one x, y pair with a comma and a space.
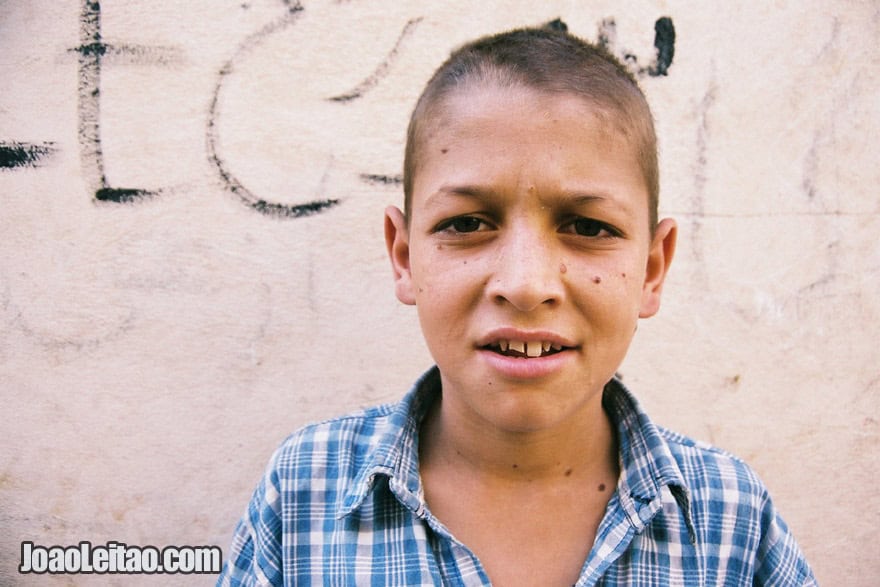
521, 415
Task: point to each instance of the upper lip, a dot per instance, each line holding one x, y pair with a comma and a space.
508, 333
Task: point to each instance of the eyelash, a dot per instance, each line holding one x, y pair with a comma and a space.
596, 227
448, 225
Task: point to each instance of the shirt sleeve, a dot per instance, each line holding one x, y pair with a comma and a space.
255, 554
779, 561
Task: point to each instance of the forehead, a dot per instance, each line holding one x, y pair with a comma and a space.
483, 135
474, 99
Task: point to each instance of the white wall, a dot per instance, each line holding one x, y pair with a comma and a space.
154, 352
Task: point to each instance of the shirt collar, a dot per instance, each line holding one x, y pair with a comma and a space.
396, 455
648, 468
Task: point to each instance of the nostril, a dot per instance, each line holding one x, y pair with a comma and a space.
525, 290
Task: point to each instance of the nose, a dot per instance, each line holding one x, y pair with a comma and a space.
527, 273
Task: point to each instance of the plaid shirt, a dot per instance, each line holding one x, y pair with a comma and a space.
341, 503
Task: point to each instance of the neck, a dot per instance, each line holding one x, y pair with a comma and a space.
584, 446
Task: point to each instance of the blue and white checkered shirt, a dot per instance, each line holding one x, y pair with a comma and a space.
341, 503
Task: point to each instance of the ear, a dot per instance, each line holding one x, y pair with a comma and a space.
397, 243
659, 258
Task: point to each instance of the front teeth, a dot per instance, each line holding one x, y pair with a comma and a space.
533, 349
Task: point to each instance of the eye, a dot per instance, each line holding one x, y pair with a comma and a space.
590, 227
461, 224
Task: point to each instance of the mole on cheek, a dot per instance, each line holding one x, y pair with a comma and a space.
597, 279
562, 268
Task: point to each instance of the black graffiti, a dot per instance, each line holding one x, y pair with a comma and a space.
93, 53
14, 154
557, 25
664, 45
212, 139
121, 195
377, 179
373, 79
664, 42
230, 182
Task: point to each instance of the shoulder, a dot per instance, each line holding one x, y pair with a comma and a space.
724, 505
732, 511
655, 456
374, 440
705, 466
316, 476
352, 427
343, 442
719, 483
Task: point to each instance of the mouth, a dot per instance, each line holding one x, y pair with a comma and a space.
525, 349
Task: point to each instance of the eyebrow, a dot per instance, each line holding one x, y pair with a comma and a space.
573, 198
463, 191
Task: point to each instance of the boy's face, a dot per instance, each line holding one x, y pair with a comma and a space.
528, 255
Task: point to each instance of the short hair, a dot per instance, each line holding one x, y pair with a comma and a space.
549, 60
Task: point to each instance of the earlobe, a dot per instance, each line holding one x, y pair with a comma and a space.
397, 243
659, 258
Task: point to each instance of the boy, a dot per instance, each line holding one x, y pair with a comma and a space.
530, 246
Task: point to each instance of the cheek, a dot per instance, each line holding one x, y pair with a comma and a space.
440, 289
612, 284
438, 271
597, 270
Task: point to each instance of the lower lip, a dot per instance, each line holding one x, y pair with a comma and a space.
526, 368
